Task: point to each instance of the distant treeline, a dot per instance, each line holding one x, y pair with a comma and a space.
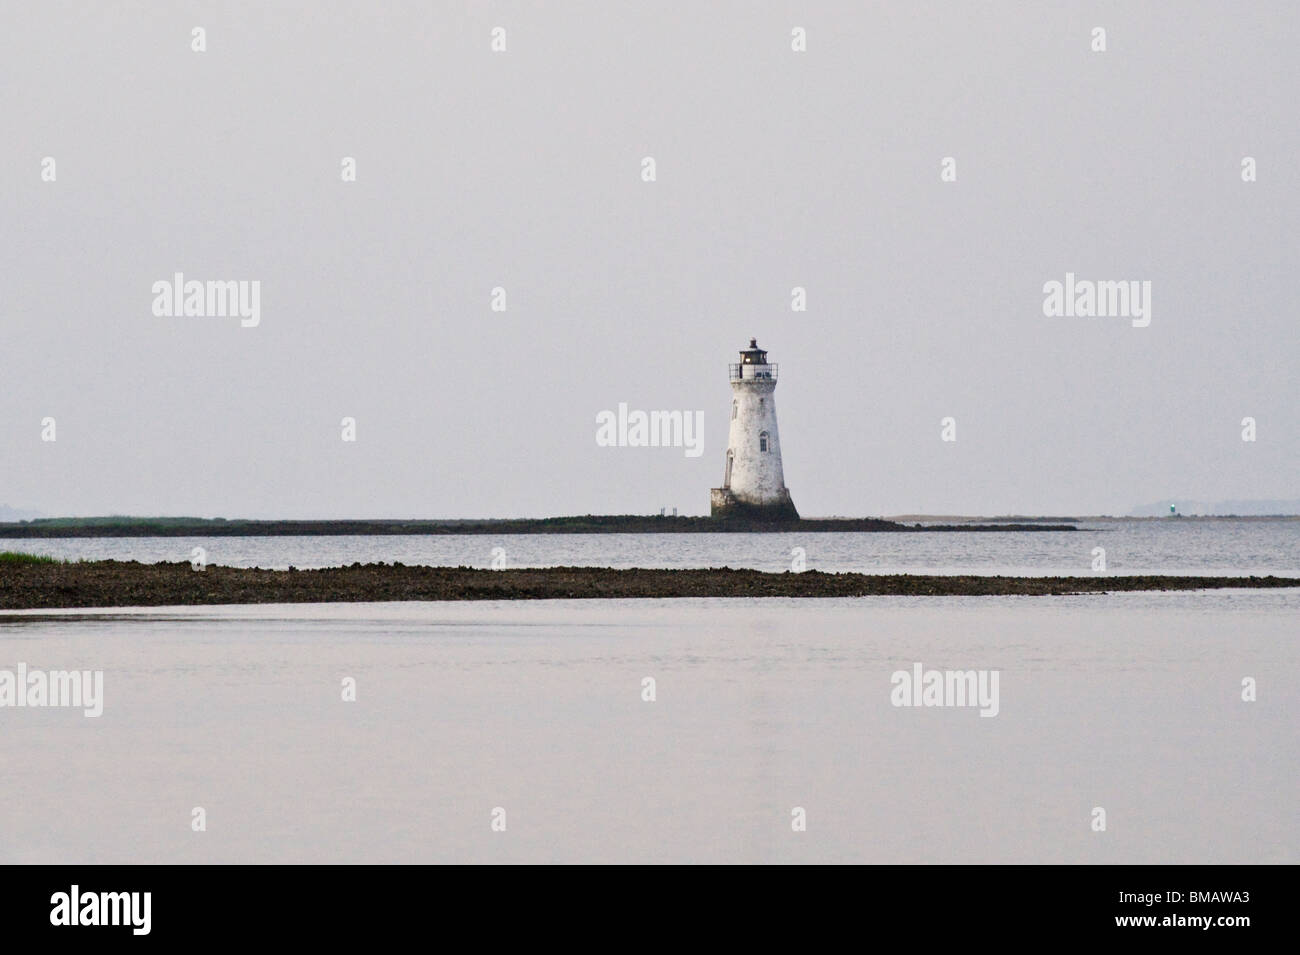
588, 524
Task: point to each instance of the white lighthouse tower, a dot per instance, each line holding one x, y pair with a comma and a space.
753, 485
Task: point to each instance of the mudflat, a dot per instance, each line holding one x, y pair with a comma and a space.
110, 583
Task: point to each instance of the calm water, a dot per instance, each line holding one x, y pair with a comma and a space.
1132, 547
1128, 702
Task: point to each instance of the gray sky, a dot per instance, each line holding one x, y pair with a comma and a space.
522, 169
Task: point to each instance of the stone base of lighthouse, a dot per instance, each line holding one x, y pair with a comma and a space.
724, 504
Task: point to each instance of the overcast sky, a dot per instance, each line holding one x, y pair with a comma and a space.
523, 170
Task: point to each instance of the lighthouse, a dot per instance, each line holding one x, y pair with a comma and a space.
753, 484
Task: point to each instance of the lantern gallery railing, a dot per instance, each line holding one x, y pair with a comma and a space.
746, 371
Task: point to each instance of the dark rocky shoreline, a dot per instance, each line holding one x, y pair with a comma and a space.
110, 583
587, 524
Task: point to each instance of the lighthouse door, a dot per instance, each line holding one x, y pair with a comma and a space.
726, 478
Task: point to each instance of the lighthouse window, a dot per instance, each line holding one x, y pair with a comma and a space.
733, 411
762, 441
